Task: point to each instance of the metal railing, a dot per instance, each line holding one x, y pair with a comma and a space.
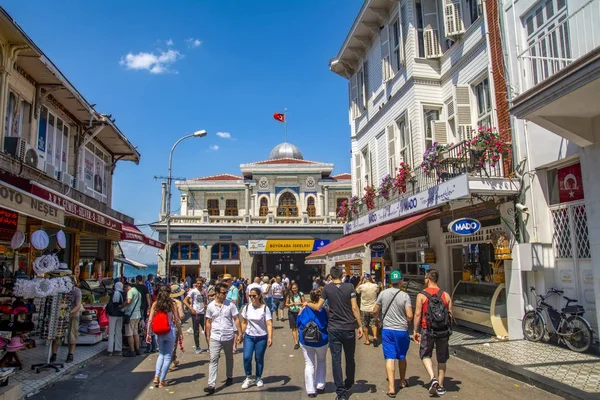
458, 160
254, 220
574, 35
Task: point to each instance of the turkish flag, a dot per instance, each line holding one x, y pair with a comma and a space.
279, 117
570, 185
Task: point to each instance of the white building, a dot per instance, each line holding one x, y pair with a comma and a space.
265, 220
553, 54
422, 72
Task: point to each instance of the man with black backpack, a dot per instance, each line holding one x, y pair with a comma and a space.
433, 329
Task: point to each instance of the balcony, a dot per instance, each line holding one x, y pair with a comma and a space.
458, 160
252, 220
560, 72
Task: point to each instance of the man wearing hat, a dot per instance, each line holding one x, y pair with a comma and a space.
396, 312
233, 293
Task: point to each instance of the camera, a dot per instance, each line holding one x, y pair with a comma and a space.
522, 207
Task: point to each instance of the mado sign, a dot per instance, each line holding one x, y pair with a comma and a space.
464, 226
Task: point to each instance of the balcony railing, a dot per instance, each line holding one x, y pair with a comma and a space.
573, 36
240, 220
458, 160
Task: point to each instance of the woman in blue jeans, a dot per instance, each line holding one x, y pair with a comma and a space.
257, 325
166, 342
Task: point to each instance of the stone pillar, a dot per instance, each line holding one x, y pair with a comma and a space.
163, 198
184, 204
247, 200
326, 205
515, 305
442, 263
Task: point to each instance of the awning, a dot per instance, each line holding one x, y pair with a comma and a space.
366, 237
127, 261
131, 232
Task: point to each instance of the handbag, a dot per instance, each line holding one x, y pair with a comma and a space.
127, 318
388, 309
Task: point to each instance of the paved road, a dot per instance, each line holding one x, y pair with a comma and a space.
126, 378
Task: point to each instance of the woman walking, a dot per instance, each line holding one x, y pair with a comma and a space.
167, 328
257, 325
314, 345
267, 293
294, 301
115, 321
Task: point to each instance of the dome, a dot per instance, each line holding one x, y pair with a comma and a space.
285, 150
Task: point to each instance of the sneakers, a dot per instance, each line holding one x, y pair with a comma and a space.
433, 386
209, 390
297, 346
248, 382
69, 358
260, 383
198, 350
229, 382
53, 358
440, 391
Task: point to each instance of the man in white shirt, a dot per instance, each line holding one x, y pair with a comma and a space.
195, 301
222, 329
285, 281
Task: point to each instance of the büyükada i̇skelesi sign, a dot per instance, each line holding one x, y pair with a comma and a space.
289, 246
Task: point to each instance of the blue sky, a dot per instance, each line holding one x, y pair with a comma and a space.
164, 70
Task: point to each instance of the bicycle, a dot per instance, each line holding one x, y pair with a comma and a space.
568, 324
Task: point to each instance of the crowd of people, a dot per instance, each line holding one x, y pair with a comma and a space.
338, 311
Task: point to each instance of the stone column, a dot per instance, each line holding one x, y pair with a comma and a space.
247, 199
326, 205
163, 198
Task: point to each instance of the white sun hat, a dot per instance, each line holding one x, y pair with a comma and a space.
61, 239
17, 240
40, 240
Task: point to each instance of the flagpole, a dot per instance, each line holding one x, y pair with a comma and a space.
285, 123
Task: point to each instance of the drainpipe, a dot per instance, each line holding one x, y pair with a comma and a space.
489, 57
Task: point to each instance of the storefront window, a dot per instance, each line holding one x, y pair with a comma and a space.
184, 251
235, 252
225, 251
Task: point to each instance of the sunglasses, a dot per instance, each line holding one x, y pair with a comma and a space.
253, 296
226, 280
211, 295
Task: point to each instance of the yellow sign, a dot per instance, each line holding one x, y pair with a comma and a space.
290, 246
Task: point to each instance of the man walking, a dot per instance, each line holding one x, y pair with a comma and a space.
195, 301
233, 294
368, 296
132, 309
222, 323
396, 311
432, 329
343, 316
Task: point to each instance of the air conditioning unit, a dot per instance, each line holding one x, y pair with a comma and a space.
15, 146
32, 158
67, 179
80, 185
432, 43
50, 170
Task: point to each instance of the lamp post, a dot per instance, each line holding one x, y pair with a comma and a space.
200, 133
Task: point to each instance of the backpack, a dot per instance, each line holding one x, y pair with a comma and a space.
311, 333
160, 323
438, 317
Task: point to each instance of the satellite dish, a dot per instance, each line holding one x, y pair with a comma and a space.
31, 158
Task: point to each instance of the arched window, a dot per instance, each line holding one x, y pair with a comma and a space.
339, 203
213, 207
185, 251
287, 206
310, 208
264, 207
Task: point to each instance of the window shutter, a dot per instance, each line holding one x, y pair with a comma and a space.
462, 102
386, 70
358, 174
354, 96
391, 150
431, 37
401, 38
438, 128
453, 23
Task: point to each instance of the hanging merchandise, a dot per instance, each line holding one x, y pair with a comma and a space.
45, 264
17, 240
42, 287
61, 239
40, 240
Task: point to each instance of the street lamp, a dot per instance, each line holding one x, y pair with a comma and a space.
200, 133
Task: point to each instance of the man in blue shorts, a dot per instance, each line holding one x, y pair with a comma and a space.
396, 312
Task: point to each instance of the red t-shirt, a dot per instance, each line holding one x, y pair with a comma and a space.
431, 291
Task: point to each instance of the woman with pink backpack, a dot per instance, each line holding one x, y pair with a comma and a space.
165, 323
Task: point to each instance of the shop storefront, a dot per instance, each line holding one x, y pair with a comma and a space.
225, 259
185, 260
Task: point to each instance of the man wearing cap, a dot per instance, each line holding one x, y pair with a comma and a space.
396, 312
233, 294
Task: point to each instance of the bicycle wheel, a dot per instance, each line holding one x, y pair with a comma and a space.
577, 334
533, 326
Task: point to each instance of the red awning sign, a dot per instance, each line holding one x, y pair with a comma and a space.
131, 232
76, 209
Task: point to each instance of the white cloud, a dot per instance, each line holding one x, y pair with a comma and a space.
193, 43
154, 63
213, 147
170, 42
224, 135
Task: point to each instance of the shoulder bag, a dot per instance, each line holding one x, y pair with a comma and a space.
127, 318
388, 309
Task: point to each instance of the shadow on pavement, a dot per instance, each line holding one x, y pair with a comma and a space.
451, 385
194, 364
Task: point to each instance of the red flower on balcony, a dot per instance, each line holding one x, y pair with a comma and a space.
488, 146
369, 197
403, 175
387, 183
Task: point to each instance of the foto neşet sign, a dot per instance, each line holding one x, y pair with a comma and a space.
21, 202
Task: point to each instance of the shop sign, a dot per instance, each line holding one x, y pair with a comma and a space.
76, 209
347, 257
320, 243
313, 261
21, 202
83, 226
185, 262
429, 255
454, 189
464, 226
8, 220
257, 246
285, 246
378, 246
570, 187
225, 262
225, 238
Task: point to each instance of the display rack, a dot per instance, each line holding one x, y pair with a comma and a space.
54, 320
